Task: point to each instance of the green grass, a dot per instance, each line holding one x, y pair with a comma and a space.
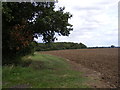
45, 71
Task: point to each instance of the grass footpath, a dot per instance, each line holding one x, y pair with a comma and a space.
45, 71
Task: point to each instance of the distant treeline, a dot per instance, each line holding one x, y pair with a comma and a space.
59, 46
102, 47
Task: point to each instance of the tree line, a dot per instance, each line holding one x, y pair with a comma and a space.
112, 46
59, 46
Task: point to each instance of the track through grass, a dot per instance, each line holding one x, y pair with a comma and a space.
45, 71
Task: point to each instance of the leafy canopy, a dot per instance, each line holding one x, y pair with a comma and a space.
22, 22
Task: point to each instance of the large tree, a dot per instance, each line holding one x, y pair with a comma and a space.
22, 22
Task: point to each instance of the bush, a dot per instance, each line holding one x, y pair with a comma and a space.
14, 56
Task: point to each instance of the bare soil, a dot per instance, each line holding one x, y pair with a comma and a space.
99, 64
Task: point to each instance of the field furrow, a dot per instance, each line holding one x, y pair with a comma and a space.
104, 61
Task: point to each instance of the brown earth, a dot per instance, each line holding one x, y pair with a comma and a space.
102, 63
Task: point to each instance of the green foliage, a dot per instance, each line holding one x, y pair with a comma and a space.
112, 46
22, 22
59, 46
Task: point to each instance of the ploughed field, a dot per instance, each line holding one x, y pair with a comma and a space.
103, 60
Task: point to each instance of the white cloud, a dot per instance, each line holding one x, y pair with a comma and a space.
95, 22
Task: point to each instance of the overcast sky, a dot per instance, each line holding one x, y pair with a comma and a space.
95, 22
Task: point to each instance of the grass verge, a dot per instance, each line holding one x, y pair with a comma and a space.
45, 71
